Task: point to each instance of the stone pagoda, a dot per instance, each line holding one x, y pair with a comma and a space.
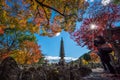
62, 53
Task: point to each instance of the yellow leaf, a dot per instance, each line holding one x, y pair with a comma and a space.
4, 13
34, 4
12, 26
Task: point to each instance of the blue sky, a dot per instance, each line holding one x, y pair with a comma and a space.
50, 46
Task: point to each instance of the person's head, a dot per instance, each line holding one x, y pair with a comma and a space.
99, 40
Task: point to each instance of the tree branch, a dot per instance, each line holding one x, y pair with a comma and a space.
40, 3
43, 1
65, 8
46, 15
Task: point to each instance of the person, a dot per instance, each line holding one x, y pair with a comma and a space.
103, 52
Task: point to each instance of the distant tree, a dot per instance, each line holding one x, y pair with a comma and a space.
42, 59
87, 57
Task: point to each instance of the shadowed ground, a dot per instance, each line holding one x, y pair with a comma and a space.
98, 74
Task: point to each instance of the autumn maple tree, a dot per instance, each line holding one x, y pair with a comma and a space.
13, 41
98, 19
100, 16
20, 19
29, 53
38, 15
49, 17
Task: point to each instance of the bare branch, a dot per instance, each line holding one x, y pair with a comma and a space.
38, 13
40, 3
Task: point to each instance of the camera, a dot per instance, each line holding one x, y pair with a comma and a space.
98, 42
